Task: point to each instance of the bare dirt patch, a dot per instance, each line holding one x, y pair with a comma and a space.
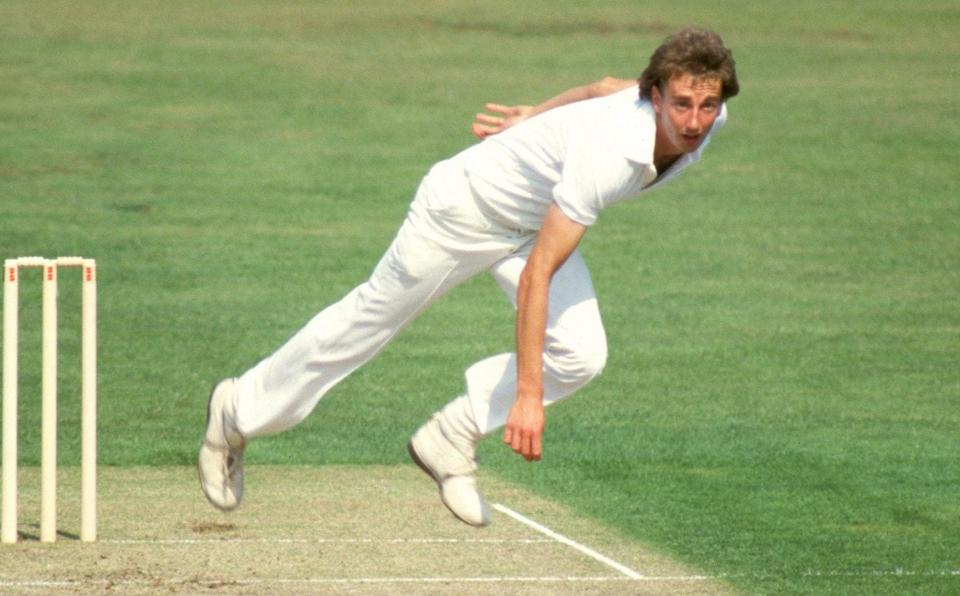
331, 530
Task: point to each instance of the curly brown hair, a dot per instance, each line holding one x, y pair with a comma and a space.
694, 51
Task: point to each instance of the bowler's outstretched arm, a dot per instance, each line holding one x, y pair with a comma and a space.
556, 241
485, 124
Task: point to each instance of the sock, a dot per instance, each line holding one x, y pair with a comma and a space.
457, 424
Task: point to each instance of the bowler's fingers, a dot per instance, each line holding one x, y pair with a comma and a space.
525, 443
502, 109
485, 125
488, 119
482, 132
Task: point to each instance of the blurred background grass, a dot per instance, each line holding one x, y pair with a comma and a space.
781, 398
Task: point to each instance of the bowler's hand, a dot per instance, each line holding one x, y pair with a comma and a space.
525, 428
485, 125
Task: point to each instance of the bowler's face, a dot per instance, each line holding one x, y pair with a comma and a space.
686, 109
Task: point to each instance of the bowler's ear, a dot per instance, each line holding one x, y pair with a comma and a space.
656, 99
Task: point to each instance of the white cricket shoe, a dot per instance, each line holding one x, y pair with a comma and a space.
220, 462
454, 472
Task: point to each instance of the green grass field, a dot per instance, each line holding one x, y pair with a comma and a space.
782, 396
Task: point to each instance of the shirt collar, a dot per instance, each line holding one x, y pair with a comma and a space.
640, 135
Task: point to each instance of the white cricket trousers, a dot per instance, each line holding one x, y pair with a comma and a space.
445, 240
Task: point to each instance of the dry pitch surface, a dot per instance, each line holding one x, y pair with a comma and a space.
330, 530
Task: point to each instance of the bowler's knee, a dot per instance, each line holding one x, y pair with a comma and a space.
576, 360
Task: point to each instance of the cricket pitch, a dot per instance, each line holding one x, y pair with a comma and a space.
328, 530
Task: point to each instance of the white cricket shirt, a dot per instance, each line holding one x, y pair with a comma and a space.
582, 156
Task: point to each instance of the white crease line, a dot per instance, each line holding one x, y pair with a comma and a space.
189, 541
571, 543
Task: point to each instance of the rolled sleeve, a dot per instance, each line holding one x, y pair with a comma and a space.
594, 180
